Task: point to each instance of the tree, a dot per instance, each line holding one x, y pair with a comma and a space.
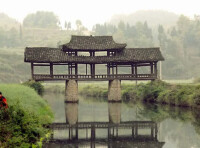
78, 24
41, 19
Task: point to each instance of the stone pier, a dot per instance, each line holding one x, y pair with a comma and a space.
71, 113
71, 91
114, 91
114, 110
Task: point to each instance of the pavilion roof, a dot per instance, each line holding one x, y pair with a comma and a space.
95, 43
55, 55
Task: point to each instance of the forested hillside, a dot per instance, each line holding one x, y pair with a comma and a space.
178, 37
153, 17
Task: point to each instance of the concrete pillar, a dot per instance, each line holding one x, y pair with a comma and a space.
114, 90
71, 113
114, 110
71, 91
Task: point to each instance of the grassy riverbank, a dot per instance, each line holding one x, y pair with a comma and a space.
186, 95
22, 124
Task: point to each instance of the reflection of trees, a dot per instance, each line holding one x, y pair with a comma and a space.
179, 125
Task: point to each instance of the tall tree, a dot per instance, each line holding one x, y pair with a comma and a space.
41, 19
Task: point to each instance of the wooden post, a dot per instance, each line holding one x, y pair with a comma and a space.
136, 70
133, 132
108, 132
32, 70
152, 131
51, 70
155, 69
86, 69
112, 69
132, 68
76, 69
151, 67
156, 130
160, 70
94, 70
76, 132
68, 69
91, 70
116, 69
71, 69
108, 69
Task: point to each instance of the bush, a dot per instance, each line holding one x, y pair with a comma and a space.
19, 127
37, 86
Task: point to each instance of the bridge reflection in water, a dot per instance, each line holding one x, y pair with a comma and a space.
115, 133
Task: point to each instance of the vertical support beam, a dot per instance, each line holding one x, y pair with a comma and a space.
151, 67
68, 68
160, 70
112, 69
108, 132
32, 70
114, 90
76, 132
86, 133
93, 133
116, 69
71, 91
51, 70
76, 69
69, 133
132, 69
133, 132
152, 131
86, 69
117, 131
136, 70
155, 69
71, 68
108, 53
136, 130
156, 131
108, 69
93, 69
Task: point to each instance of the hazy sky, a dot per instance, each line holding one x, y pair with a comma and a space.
91, 12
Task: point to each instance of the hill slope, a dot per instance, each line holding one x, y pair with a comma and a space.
153, 17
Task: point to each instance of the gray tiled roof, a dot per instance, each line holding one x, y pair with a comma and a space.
86, 43
46, 55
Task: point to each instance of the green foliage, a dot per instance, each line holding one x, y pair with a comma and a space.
37, 86
41, 19
94, 91
154, 92
29, 99
21, 125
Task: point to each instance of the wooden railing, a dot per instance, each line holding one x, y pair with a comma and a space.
124, 125
95, 77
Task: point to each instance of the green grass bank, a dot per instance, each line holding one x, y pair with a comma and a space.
186, 95
23, 123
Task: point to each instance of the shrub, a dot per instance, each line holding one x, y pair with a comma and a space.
19, 127
37, 86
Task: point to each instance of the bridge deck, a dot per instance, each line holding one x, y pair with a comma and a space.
105, 77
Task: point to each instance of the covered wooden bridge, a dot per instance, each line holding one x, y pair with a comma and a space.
89, 52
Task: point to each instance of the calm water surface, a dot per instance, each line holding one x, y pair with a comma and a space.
176, 128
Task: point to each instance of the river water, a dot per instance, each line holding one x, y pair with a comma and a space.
97, 123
